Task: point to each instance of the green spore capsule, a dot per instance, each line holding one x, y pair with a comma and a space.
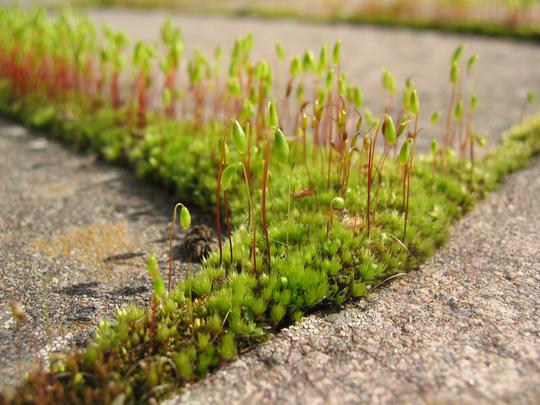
404, 153
389, 131
435, 117
228, 175
336, 53
338, 203
388, 82
185, 218
402, 127
323, 58
474, 102
296, 66
282, 146
457, 53
239, 137
458, 111
273, 118
329, 80
280, 50
454, 73
357, 97
415, 103
472, 61
308, 63
434, 146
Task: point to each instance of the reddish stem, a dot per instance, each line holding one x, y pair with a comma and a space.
142, 99
115, 89
370, 176
248, 160
330, 136
170, 84
263, 207
228, 223
408, 177
254, 247
305, 159
218, 203
369, 192
408, 182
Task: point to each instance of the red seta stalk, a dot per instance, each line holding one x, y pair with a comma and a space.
142, 101
263, 205
218, 202
228, 222
371, 158
330, 140
170, 84
408, 170
115, 89
254, 247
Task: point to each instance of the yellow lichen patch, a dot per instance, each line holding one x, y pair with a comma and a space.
91, 244
67, 188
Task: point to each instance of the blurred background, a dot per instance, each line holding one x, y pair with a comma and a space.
511, 14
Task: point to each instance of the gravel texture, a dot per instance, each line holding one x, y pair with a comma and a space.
465, 329
75, 234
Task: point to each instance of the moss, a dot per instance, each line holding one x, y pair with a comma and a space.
232, 307
319, 252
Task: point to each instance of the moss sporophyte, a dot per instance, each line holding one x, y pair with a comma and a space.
321, 199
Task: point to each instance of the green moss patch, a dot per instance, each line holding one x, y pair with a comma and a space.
212, 315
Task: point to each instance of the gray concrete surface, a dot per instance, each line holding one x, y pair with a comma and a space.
75, 234
465, 329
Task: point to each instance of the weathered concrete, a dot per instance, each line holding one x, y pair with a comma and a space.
74, 237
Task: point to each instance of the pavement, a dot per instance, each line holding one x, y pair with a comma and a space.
75, 234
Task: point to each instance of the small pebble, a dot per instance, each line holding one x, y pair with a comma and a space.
39, 144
